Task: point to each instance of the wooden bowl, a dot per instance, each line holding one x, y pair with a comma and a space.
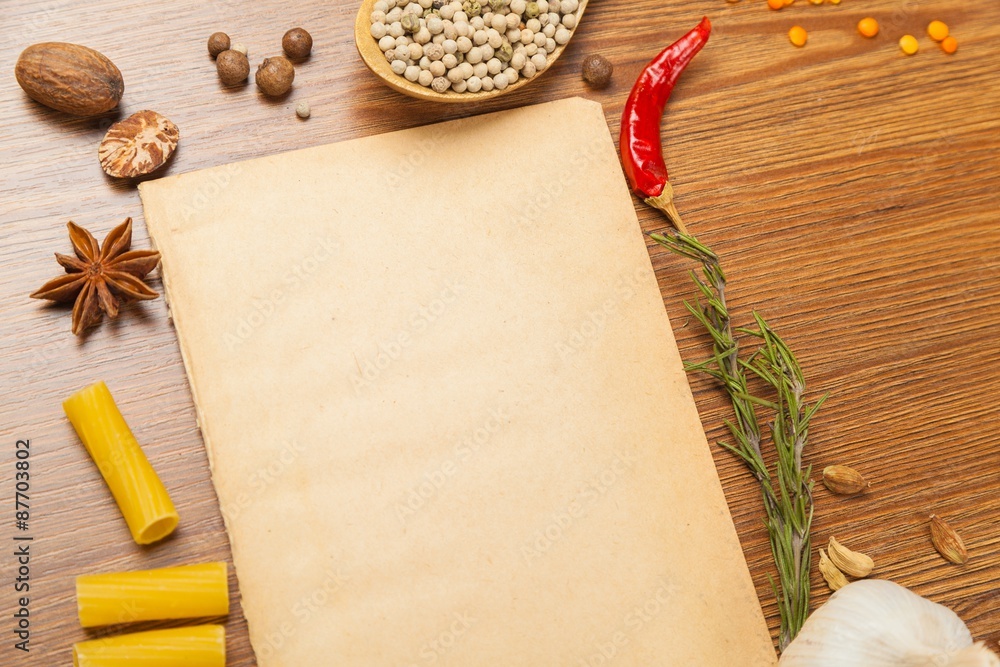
373, 57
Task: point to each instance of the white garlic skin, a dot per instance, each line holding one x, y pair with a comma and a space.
876, 623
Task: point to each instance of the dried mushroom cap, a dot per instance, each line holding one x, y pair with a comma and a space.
138, 145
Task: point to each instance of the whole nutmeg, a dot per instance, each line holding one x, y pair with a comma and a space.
217, 43
297, 44
597, 70
233, 67
275, 75
69, 78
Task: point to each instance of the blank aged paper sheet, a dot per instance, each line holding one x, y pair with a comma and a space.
447, 419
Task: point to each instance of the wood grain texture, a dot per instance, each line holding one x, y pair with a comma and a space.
852, 192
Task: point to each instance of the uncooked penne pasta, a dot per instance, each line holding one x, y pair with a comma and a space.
141, 496
188, 591
200, 646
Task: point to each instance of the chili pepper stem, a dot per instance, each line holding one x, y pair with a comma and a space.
665, 202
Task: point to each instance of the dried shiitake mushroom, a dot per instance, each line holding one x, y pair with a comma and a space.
138, 145
297, 44
232, 66
275, 75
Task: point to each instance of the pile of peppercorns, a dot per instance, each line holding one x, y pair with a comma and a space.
274, 75
471, 45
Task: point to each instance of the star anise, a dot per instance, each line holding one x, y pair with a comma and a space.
100, 278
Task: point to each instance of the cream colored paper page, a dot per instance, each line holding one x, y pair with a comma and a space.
446, 415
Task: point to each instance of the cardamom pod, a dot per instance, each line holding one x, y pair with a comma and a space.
948, 543
850, 562
835, 579
843, 480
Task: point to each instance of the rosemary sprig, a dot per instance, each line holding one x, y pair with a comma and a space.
787, 493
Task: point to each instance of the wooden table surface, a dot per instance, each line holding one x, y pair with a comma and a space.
852, 192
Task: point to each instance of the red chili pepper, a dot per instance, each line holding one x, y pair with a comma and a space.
641, 148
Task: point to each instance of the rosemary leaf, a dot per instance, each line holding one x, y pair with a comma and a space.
787, 492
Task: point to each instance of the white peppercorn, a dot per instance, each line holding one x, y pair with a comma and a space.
494, 66
513, 20
302, 109
517, 62
513, 35
562, 36
569, 6
393, 15
487, 51
550, 45
437, 39
543, 20
454, 75
434, 51
494, 38
416, 51
477, 23
425, 78
396, 29
378, 17
425, 4
447, 12
549, 30
464, 44
450, 31
543, 6
381, 6
530, 50
386, 43
474, 56
389, 3
461, 17
412, 72
475, 84
518, 6
450, 46
460, 86
401, 42
500, 81
449, 61
569, 21
480, 70
422, 36
540, 61
425, 63
488, 83
437, 68
398, 66
499, 22
528, 70
554, 18
512, 75
534, 25
539, 40
378, 30
527, 36
240, 47
434, 24
480, 37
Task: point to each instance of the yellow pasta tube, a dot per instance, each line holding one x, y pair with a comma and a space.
140, 494
188, 591
200, 646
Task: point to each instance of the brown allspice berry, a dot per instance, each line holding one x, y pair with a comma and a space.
233, 67
297, 44
217, 43
275, 75
597, 70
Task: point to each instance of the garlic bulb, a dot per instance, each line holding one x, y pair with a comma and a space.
876, 623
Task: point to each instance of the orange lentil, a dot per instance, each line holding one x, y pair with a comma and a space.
775, 4
798, 35
909, 44
868, 27
949, 45
937, 30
